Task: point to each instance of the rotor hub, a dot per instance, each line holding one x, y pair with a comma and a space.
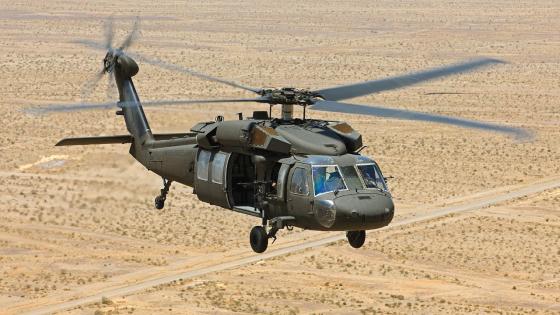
109, 62
116, 59
290, 96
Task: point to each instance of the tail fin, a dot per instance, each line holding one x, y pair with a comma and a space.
136, 122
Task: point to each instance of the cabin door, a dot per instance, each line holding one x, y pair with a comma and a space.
210, 177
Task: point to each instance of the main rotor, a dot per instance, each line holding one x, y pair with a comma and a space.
327, 99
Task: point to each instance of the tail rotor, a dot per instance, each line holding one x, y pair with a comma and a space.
110, 59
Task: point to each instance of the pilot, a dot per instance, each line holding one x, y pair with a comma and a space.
319, 177
369, 177
334, 182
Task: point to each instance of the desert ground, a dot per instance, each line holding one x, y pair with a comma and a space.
76, 220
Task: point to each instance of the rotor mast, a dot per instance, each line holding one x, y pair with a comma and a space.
287, 111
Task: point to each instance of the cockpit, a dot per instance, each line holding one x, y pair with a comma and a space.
348, 187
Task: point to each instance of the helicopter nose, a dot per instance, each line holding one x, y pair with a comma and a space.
364, 211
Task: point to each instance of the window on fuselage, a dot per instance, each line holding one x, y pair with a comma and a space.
327, 178
218, 164
298, 183
371, 176
202, 164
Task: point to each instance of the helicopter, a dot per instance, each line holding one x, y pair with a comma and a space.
287, 171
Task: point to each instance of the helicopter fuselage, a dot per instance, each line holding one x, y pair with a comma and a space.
300, 173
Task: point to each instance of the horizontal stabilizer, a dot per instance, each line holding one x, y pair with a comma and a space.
167, 136
95, 140
115, 139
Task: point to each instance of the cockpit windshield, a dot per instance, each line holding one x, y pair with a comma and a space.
327, 178
371, 176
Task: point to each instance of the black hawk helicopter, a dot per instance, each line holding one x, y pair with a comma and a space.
288, 171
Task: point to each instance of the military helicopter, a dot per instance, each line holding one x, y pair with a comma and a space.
287, 171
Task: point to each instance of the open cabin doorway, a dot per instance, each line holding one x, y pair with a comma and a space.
241, 176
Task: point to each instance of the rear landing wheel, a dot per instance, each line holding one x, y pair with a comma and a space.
356, 238
159, 203
259, 239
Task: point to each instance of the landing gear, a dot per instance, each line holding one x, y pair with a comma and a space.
160, 200
159, 203
356, 238
259, 239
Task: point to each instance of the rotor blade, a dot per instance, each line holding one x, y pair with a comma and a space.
331, 106
186, 102
173, 67
132, 36
109, 105
70, 107
110, 85
170, 66
376, 86
109, 33
89, 86
90, 44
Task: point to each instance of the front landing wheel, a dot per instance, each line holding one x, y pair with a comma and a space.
356, 238
259, 239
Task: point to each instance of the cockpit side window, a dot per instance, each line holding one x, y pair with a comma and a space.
327, 178
299, 183
371, 176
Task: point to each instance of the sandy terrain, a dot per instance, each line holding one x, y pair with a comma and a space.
80, 218
483, 262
